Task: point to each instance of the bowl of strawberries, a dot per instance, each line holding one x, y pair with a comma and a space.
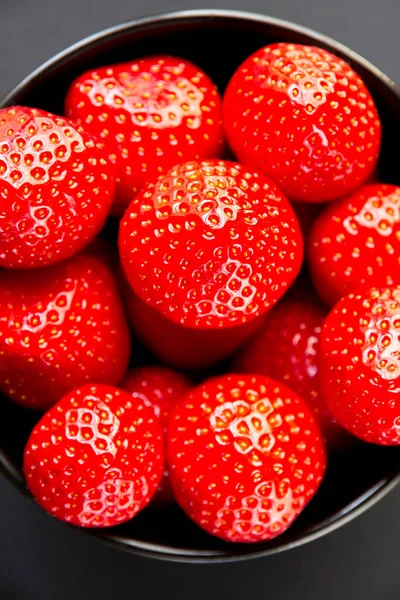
200, 286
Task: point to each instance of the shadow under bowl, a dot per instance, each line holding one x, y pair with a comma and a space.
217, 41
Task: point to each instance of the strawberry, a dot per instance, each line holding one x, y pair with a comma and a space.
161, 110
356, 240
304, 118
181, 346
287, 348
245, 456
159, 388
56, 188
60, 330
360, 363
211, 244
96, 458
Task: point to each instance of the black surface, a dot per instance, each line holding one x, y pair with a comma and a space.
42, 559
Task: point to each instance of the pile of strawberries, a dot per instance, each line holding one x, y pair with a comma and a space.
208, 252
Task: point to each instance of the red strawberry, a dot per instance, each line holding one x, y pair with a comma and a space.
245, 456
356, 240
360, 363
60, 330
303, 117
181, 346
287, 348
96, 458
56, 188
159, 388
211, 244
161, 110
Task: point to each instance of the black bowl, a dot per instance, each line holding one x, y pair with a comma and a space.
218, 41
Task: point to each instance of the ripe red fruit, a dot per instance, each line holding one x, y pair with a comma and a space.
161, 111
304, 118
356, 240
360, 363
180, 346
56, 188
245, 456
60, 330
287, 348
211, 244
160, 389
96, 458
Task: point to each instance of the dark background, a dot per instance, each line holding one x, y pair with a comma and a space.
41, 559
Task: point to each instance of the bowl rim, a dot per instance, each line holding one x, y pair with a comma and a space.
196, 14
382, 487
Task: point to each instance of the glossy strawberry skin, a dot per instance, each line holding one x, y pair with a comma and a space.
303, 117
355, 241
360, 363
56, 188
245, 455
287, 348
161, 110
96, 458
211, 244
160, 389
179, 346
60, 330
